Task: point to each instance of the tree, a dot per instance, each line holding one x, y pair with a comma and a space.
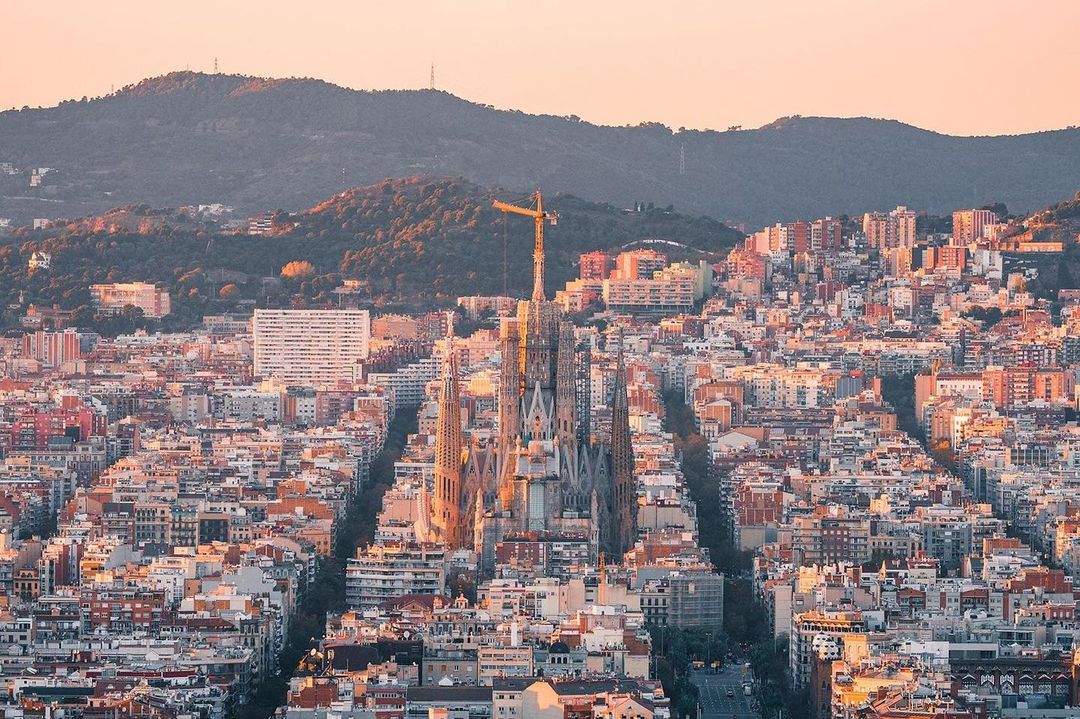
943, 454
989, 316
998, 208
297, 269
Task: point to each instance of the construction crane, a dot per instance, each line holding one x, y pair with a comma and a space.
539, 218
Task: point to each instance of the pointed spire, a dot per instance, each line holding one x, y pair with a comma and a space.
509, 401
448, 446
565, 386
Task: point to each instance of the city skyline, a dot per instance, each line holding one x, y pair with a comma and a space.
771, 423
699, 66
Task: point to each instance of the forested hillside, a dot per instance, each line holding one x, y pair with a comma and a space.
410, 242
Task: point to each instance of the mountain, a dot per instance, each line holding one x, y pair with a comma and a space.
1052, 271
259, 144
411, 242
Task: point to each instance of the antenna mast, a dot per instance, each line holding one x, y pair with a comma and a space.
432, 76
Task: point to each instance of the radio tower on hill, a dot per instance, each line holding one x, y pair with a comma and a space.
432, 76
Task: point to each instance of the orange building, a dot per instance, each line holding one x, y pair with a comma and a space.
1012, 386
595, 265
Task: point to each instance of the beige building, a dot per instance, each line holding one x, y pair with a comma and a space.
112, 298
670, 289
498, 661
968, 225
388, 570
889, 230
310, 347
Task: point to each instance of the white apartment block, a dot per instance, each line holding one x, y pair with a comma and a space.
310, 347
770, 385
407, 384
655, 295
392, 569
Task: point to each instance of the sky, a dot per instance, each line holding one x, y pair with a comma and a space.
961, 67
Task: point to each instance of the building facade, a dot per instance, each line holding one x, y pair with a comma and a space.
310, 347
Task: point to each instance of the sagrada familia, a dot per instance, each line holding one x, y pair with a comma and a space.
543, 471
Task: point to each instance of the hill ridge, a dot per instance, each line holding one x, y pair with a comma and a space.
407, 241
253, 83
258, 143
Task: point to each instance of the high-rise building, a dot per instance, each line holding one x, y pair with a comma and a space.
903, 221
888, 230
310, 347
825, 235
595, 265
52, 349
638, 264
968, 225
875, 226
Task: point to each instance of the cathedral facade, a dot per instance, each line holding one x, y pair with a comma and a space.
543, 471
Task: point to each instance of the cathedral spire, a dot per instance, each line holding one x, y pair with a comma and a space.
622, 461
448, 446
509, 406
565, 386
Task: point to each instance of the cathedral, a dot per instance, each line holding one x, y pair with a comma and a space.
543, 471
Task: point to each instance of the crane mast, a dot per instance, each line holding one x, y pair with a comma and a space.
539, 217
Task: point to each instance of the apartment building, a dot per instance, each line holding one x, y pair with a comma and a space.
890, 230
638, 264
595, 265
675, 294
113, 298
311, 347
52, 349
389, 570
968, 225
810, 629
831, 534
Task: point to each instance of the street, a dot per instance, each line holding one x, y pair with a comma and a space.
715, 703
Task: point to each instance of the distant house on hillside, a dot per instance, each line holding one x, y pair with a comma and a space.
40, 261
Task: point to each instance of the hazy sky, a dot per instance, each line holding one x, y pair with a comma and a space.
958, 66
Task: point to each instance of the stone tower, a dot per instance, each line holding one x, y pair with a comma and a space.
446, 508
509, 407
566, 421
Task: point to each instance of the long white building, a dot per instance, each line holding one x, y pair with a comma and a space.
310, 347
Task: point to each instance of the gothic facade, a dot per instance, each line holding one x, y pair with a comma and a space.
543, 471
